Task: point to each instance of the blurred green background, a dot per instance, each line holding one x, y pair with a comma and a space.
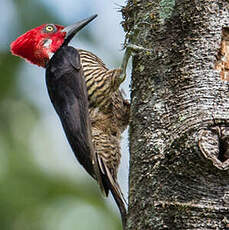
42, 186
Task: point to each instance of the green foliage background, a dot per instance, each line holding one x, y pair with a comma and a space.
31, 198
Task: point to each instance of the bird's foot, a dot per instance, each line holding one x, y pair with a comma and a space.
134, 49
131, 50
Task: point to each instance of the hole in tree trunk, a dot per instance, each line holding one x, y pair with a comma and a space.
222, 63
223, 148
214, 145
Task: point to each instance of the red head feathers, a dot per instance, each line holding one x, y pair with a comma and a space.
39, 44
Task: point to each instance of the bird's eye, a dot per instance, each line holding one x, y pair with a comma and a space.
49, 29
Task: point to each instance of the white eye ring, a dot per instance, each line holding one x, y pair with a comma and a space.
49, 28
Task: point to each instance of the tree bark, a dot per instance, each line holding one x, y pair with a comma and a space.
179, 176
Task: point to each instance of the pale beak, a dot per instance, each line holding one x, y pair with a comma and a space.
73, 29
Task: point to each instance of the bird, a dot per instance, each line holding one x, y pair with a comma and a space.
86, 97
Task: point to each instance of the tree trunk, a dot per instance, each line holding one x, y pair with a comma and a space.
179, 139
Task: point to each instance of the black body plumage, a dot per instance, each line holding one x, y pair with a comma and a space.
68, 94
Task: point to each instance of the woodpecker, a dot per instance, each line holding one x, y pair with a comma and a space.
86, 97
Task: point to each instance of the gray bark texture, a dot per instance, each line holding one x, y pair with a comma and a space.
179, 177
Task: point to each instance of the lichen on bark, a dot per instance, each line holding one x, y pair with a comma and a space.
167, 7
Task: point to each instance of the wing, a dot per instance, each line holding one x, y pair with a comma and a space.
101, 82
68, 94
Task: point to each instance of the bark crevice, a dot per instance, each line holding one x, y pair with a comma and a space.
222, 62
